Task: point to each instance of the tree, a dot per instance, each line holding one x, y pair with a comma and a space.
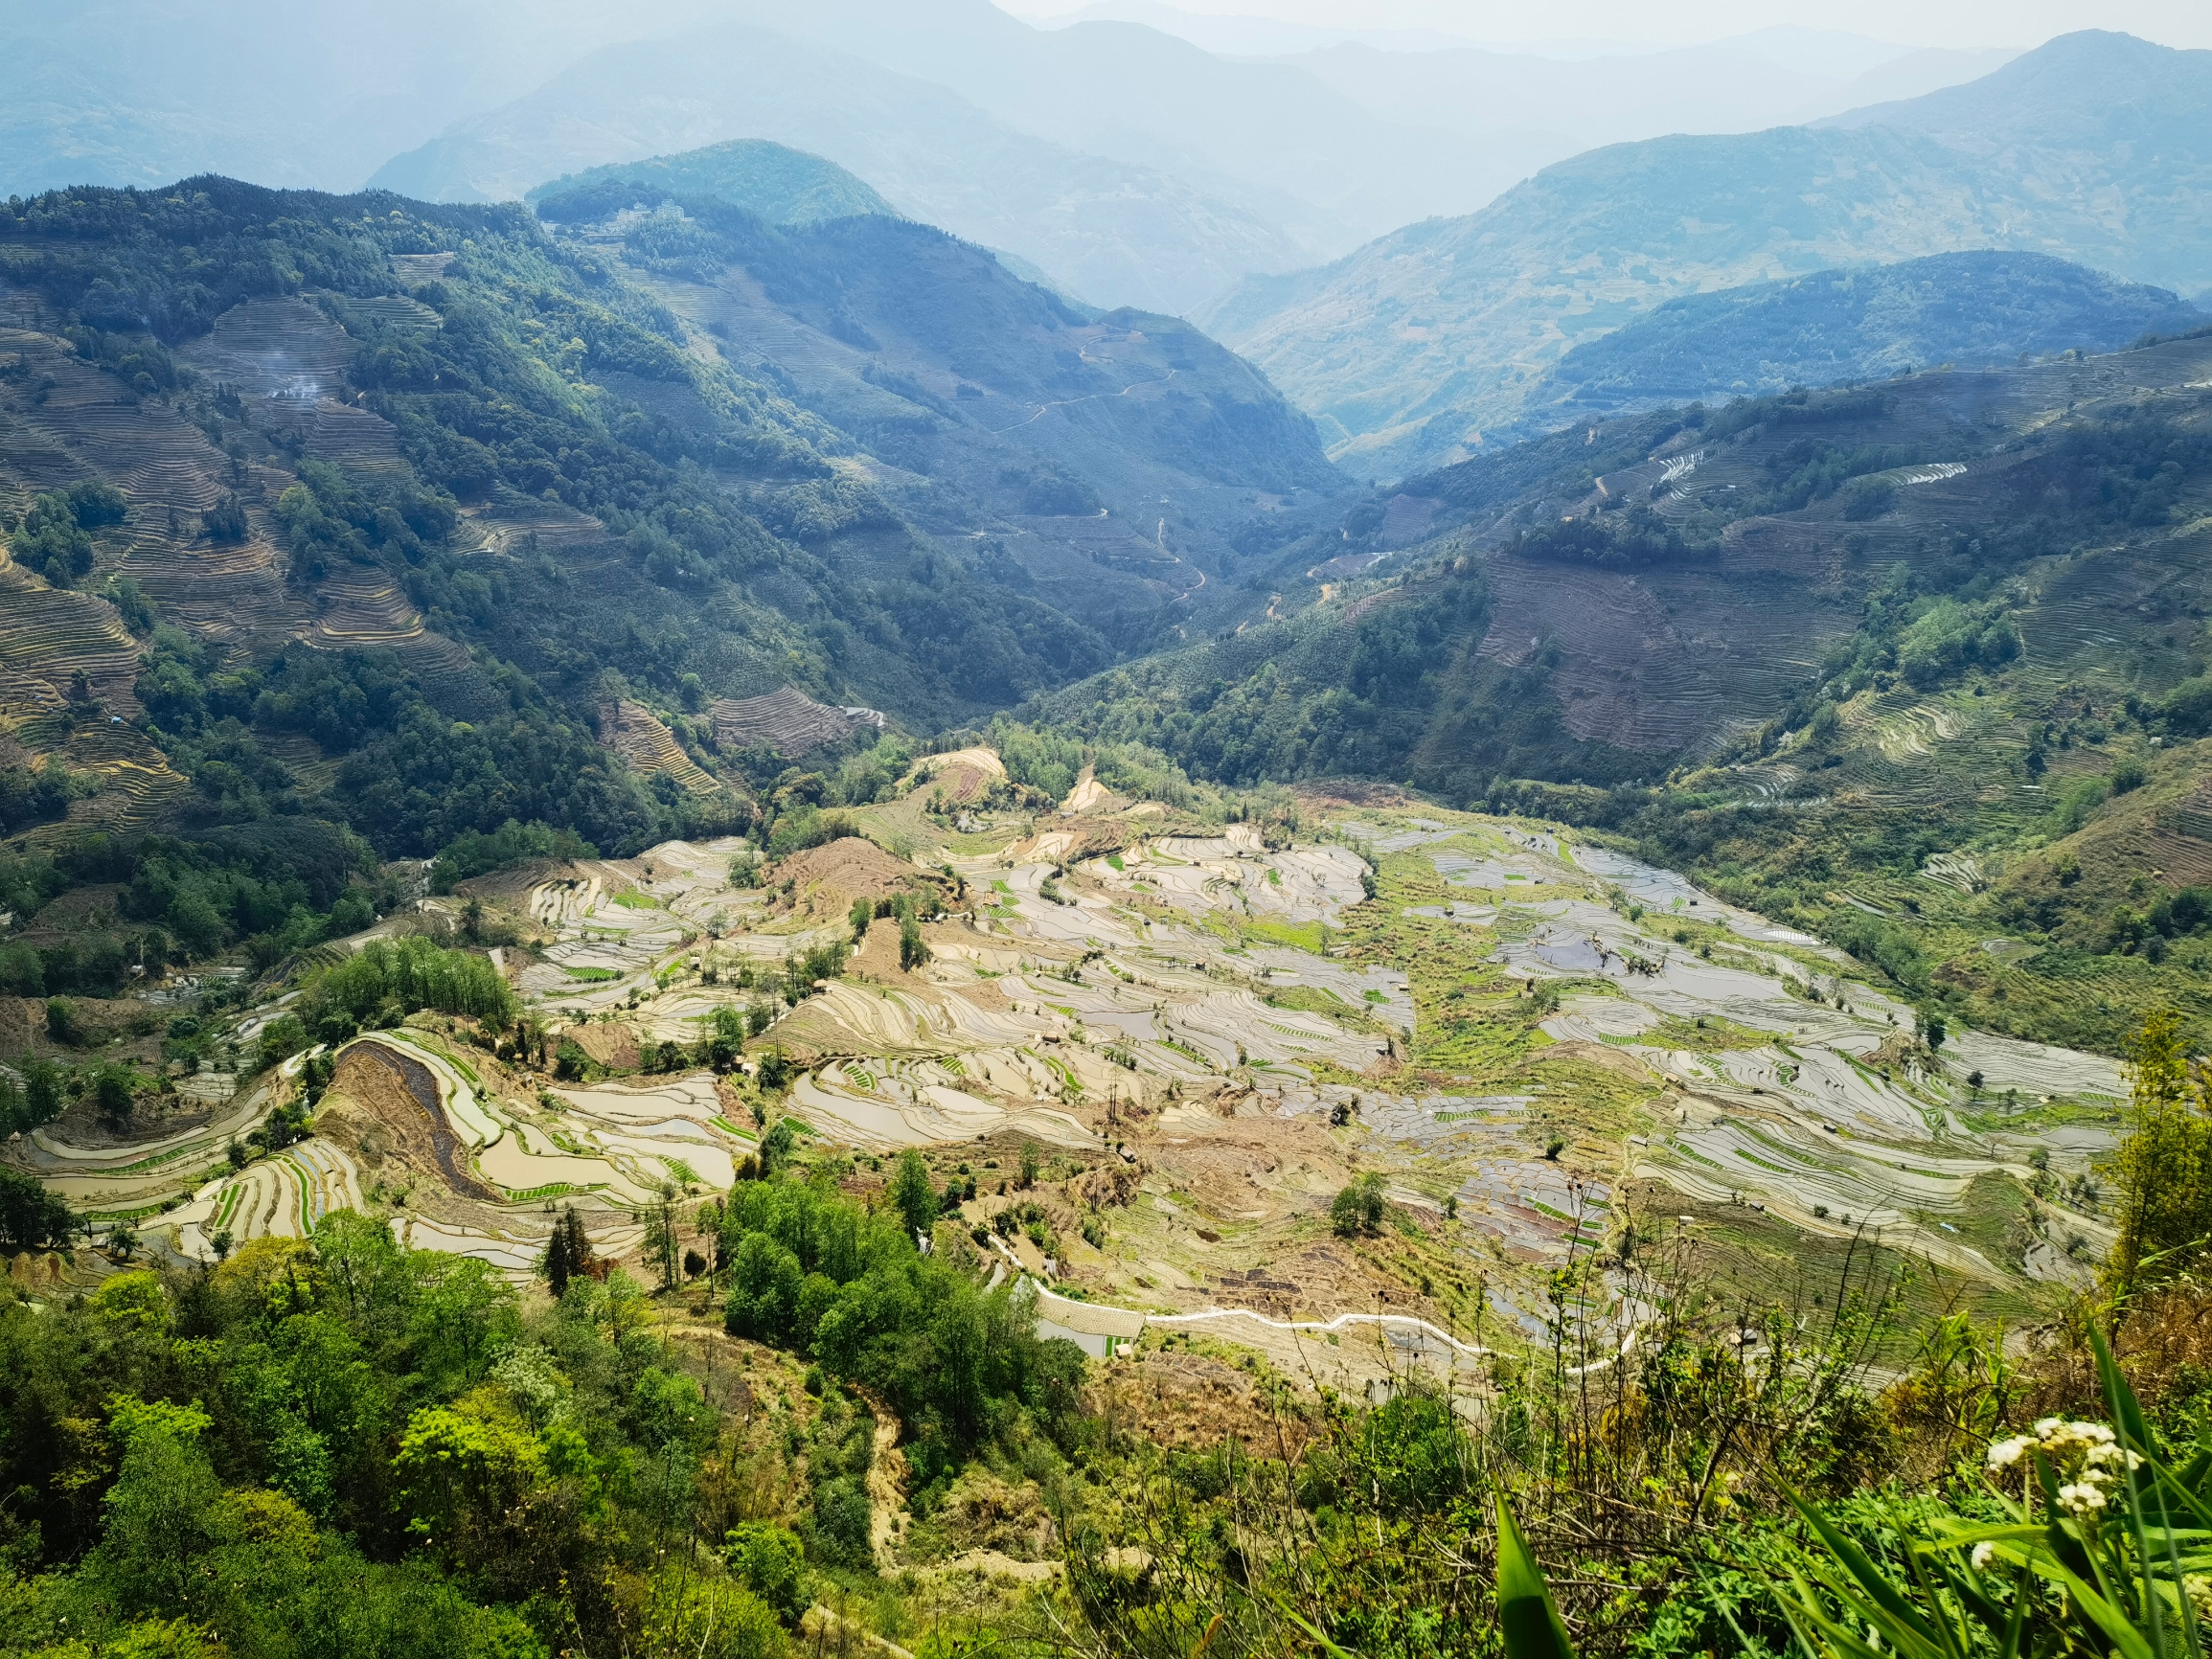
913, 952
776, 1148
709, 1228
766, 1281
112, 1094
2165, 1162
863, 913
725, 1039
30, 1217
767, 1560
1359, 1208
567, 1252
911, 1191
1032, 1162
225, 520
282, 1039
663, 1240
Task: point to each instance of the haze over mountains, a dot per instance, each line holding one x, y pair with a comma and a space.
1130, 164
2094, 148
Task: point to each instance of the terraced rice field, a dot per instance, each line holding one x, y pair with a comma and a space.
1250, 1031
788, 720
607, 1149
137, 785
361, 607
266, 349
632, 731
217, 591
47, 635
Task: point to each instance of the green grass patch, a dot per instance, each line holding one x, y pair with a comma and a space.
1310, 937
591, 975
1315, 999
553, 1190
638, 902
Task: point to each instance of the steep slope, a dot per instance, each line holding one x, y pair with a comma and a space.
461, 526
1855, 324
783, 186
1415, 347
1102, 461
1920, 667
1103, 228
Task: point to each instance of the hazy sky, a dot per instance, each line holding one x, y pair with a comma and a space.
1910, 22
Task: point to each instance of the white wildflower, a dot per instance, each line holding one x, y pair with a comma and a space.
1984, 1553
2080, 1498
2004, 1453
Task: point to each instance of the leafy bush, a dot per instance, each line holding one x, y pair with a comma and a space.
472, 852
386, 979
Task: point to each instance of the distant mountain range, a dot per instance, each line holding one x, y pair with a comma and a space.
1425, 345
1129, 166
1969, 309
1103, 229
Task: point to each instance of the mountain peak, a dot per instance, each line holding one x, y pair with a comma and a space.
2091, 88
782, 185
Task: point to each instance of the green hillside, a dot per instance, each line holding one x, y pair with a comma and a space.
782, 185
1916, 666
1423, 346
357, 526
1104, 461
1968, 310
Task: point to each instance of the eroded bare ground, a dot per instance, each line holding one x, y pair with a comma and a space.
1196, 1037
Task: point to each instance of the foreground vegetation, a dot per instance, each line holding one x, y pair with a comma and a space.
343, 1446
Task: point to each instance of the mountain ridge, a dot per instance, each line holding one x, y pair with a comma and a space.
1408, 349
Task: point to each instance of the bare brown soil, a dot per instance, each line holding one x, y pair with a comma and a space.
1193, 1401
857, 869
375, 1085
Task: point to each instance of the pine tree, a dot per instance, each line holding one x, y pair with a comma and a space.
567, 1252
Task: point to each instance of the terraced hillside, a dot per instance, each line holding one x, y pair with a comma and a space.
373, 543
1851, 632
1162, 1044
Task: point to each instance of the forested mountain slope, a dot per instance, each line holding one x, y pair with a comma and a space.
1864, 324
1414, 348
1113, 455
1106, 229
347, 525
783, 186
1920, 666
